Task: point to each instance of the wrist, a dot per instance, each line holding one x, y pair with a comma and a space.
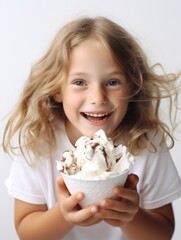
129, 225
66, 226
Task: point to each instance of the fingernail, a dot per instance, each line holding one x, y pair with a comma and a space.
104, 203
80, 196
116, 191
94, 209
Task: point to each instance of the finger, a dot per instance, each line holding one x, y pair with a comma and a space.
68, 201
116, 222
129, 191
126, 193
132, 181
71, 203
90, 221
119, 206
113, 215
62, 189
69, 206
71, 200
84, 215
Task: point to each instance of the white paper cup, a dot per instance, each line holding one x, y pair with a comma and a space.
94, 190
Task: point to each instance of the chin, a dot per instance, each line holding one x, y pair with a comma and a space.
90, 132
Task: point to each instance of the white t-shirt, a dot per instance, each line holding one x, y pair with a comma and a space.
159, 184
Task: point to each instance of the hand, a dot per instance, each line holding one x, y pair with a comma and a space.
70, 209
122, 208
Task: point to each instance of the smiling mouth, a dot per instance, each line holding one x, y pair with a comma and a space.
96, 117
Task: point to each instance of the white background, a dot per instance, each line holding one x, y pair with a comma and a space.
26, 30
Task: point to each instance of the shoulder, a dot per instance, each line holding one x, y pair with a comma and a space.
155, 158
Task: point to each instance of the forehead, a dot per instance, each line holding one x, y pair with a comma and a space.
92, 53
93, 43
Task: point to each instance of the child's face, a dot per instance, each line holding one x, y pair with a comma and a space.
93, 96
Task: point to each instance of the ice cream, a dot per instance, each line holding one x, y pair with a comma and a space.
95, 158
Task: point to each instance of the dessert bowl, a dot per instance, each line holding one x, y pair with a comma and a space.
95, 167
94, 190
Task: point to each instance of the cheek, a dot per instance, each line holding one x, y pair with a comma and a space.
120, 99
123, 107
72, 101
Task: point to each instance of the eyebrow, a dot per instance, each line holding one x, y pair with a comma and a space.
79, 74
115, 73
87, 74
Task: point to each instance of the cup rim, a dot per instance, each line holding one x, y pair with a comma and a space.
97, 180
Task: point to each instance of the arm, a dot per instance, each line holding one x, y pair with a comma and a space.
137, 224
154, 224
37, 222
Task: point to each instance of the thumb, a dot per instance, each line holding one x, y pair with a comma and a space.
132, 181
62, 189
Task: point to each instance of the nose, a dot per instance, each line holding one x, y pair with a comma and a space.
97, 96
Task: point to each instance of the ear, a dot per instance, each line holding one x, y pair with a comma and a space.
58, 97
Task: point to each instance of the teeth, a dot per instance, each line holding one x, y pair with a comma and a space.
96, 115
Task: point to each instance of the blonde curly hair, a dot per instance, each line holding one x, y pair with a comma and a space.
33, 118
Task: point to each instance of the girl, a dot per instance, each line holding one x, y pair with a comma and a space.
93, 76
